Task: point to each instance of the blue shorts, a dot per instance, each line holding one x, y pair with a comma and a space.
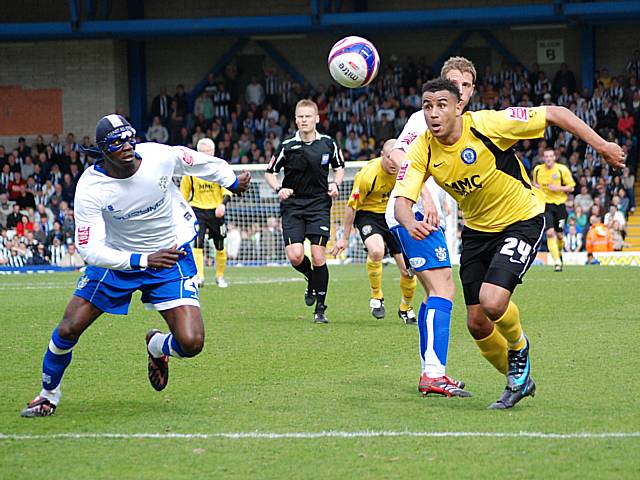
424, 254
111, 290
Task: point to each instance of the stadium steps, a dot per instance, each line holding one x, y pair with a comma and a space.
633, 225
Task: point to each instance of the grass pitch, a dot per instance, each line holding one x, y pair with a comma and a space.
300, 400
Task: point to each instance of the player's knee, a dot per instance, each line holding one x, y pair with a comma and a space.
191, 343
404, 272
551, 233
68, 329
295, 257
492, 306
318, 259
376, 255
479, 325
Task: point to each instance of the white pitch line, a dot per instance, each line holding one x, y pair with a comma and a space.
58, 286
316, 435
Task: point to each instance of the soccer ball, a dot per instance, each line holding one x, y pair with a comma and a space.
353, 62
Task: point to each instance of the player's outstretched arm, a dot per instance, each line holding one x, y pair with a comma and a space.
562, 117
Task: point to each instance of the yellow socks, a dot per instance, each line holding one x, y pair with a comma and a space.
221, 263
408, 289
494, 349
374, 271
560, 245
552, 245
510, 328
198, 255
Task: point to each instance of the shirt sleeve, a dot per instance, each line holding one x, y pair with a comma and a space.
277, 160
358, 192
567, 177
506, 127
207, 167
91, 235
413, 171
415, 126
337, 160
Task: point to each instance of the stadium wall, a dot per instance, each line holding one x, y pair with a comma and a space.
92, 74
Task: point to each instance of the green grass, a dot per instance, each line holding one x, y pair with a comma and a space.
267, 368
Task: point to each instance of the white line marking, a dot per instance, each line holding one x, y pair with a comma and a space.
71, 285
315, 435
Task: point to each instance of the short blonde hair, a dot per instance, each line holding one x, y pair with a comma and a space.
206, 142
462, 64
305, 102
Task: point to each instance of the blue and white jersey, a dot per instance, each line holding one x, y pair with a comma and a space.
120, 221
415, 126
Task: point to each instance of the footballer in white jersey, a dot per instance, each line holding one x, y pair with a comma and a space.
133, 229
429, 255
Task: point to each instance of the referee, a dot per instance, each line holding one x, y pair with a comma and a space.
208, 201
305, 199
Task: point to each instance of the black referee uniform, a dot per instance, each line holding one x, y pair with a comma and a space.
306, 213
306, 168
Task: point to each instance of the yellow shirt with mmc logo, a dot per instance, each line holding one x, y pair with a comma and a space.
558, 175
481, 170
372, 188
202, 194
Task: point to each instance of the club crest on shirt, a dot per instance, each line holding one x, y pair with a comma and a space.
441, 254
163, 183
469, 156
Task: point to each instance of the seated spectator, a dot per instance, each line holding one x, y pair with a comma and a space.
24, 226
6, 208
573, 240
16, 259
72, 258
38, 233
618, 237
25, 199
14, 186
40, 256
157, 132
57, 250
580, 218
353, 145
14, 218
614, 215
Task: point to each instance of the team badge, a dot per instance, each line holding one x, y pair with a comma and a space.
82, 282
469, 156
163, 183
325, 159
366, 230
441, 254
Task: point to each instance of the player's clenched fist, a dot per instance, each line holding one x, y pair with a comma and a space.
243, 182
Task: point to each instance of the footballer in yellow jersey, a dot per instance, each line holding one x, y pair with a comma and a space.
471, 157
555, 181
366, 208
208, 201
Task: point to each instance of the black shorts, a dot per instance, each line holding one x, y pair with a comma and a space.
370, 223
555, 216
306, 218
499, 258
208, 222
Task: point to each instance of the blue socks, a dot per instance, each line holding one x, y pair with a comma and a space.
434, 319
56, 360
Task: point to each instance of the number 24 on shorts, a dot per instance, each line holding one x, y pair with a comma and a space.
513, 248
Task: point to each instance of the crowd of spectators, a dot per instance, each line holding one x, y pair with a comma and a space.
37, 182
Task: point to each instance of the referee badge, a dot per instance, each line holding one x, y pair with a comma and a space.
325, 159
469, 156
